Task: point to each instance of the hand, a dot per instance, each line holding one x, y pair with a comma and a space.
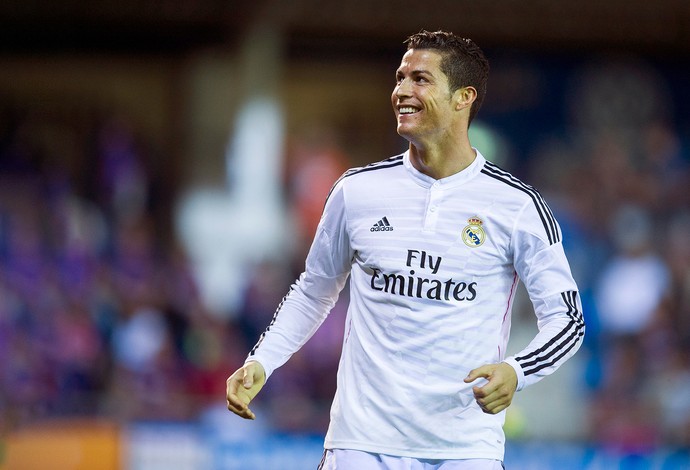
242, 387
497, 394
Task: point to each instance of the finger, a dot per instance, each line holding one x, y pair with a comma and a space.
479, 372
245, 413
484, 408
495, 389
485, 390
238, 404
236, 399
235, 403
487, 406
239, 395
233, 394
238, 410
473, 375
495, 401
495, 406
489, 401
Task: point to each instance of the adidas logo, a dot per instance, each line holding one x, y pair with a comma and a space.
382, 226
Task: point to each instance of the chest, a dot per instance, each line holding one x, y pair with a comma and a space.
440, 231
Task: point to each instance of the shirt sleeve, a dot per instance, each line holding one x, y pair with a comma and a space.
311, 298
540, 261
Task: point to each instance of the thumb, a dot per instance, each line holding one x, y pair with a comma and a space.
247, 378
477, 373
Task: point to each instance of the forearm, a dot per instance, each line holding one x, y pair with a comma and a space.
561, 332
297, 318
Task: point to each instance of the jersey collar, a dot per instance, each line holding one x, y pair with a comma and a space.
449, 181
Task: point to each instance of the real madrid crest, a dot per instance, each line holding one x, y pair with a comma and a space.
473, 234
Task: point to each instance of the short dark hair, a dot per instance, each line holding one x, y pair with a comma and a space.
462, 61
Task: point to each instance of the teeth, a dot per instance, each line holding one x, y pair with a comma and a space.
407, 110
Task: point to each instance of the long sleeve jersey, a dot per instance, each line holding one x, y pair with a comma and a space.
433, 268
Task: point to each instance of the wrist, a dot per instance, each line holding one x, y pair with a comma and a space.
518, 372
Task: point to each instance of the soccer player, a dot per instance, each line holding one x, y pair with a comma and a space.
434, 242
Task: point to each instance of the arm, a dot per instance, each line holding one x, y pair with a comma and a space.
302, 310
558, 309
541, 264
558, 339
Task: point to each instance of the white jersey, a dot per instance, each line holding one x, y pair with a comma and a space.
433, 267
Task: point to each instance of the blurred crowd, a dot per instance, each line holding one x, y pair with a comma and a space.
100, 313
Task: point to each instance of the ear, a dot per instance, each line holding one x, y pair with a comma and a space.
464, 97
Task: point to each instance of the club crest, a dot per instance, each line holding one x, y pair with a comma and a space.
473, 234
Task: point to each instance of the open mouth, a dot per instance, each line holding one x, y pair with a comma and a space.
405, 110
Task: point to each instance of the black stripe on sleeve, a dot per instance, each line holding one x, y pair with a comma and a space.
273, 320
551, 352
544, 211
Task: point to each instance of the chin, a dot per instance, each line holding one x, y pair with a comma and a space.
404, 130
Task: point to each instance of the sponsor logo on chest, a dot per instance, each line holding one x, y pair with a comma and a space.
423, 284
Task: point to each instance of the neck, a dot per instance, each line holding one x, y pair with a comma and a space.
439, 162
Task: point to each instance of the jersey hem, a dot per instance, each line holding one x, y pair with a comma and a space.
444, 454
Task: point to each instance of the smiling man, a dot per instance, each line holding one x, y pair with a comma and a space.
434, 242
435, 99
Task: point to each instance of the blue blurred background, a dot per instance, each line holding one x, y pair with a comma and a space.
163, 165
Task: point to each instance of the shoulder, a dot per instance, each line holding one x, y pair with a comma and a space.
375, 169
533, 208
508, 183
365, 174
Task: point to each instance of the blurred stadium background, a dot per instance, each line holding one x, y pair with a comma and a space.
163, 164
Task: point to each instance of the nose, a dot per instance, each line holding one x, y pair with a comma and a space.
402, 88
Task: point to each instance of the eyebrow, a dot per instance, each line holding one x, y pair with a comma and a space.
415, 72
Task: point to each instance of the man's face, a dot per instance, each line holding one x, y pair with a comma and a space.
422, 101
